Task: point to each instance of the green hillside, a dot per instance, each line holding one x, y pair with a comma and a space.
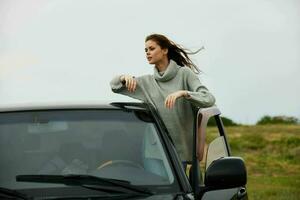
272, 157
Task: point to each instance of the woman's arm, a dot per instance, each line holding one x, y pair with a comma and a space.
198, 94
128, 85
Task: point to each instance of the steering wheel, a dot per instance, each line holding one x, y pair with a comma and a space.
120, 162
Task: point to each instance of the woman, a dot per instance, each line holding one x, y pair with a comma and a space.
174, 89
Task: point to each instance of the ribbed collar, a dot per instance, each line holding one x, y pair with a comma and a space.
170, 72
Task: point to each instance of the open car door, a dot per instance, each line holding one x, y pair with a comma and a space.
215, 174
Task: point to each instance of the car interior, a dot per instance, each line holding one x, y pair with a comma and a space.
75, 149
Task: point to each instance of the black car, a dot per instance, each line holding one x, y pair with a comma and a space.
112, 151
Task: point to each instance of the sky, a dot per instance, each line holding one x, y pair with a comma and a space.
69, 50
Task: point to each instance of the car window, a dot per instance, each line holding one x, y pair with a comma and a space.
215, 148
105, 143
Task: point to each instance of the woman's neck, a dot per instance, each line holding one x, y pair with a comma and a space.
162, 65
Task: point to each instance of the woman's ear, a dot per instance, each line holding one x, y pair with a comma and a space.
165, 51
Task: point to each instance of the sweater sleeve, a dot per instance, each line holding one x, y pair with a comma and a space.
118, 87
198, 94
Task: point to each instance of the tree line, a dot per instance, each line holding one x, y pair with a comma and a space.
267, 119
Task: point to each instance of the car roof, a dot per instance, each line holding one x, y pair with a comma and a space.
72, 105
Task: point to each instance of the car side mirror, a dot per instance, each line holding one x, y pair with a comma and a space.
227, 172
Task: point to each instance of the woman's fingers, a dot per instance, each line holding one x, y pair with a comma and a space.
167, 102
134, 84
170, 101
130, 83
173, 101
171, 98
127, 79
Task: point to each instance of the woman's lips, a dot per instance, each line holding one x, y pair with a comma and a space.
149, 58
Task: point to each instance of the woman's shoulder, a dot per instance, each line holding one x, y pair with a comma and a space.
186, 71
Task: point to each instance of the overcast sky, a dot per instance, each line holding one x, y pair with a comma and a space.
68, 50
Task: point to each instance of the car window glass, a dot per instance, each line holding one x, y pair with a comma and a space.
216, 149
111, 144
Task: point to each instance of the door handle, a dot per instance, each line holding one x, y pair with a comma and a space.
242, 192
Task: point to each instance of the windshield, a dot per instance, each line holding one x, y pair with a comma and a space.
103, 143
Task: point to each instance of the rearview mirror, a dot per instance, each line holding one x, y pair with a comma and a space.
227, 172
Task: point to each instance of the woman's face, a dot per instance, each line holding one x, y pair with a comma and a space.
154, 52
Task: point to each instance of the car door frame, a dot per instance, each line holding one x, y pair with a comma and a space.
199, 138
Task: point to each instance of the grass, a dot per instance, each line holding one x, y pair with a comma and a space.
272, 157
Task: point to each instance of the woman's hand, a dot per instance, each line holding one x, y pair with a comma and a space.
171, 98
129, 82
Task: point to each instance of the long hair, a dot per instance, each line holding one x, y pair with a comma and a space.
175, 51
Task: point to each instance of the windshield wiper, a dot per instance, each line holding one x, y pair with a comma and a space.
14, 193
84, 181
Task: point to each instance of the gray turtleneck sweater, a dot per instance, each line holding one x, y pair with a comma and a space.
179, 120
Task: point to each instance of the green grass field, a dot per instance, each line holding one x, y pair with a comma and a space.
272, 157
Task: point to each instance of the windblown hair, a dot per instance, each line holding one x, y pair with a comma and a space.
175, 51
